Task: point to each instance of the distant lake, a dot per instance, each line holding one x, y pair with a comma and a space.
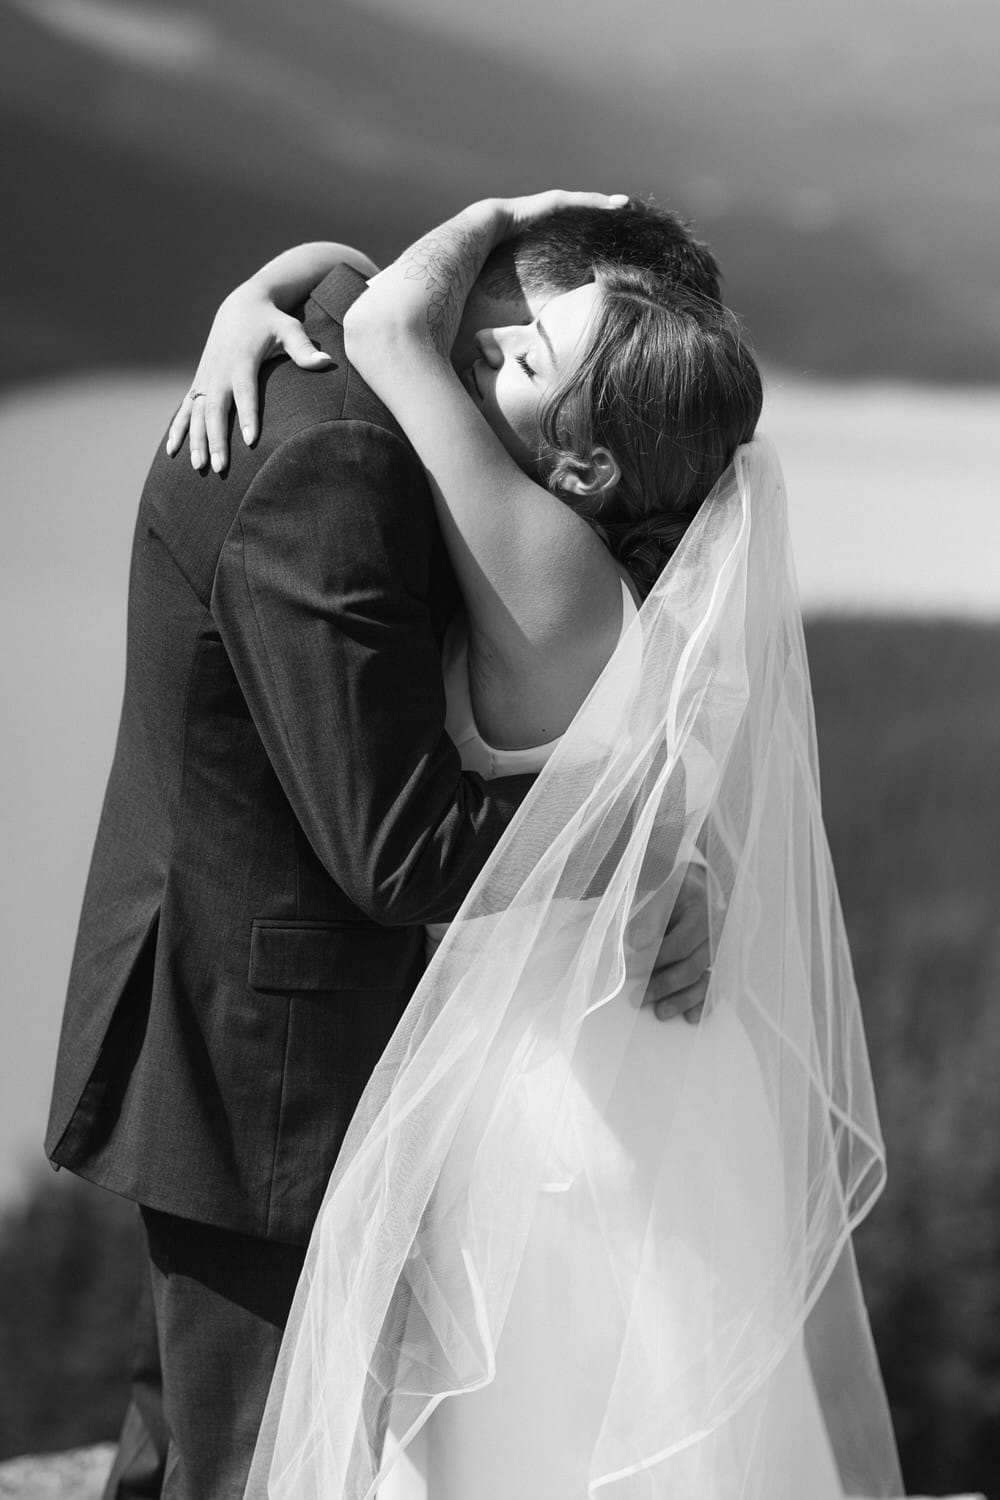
895, 507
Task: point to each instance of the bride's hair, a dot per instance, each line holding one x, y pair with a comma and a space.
670, 385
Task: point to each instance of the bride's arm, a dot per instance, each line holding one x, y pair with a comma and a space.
253, 324
532, 572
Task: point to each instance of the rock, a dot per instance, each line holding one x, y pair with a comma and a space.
80, 1475
77, 1475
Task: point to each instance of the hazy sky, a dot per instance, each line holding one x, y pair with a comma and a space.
840, 158
718, 29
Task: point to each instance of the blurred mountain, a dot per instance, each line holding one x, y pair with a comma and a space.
151, 155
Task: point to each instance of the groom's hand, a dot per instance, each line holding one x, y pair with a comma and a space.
679, 981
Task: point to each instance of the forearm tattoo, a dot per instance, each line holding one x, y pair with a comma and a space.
446, 262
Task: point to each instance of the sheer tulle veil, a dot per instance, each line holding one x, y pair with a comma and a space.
720, 1268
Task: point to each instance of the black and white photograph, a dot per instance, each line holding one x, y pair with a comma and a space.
500, 994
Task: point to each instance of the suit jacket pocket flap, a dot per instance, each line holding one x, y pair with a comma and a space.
331, 956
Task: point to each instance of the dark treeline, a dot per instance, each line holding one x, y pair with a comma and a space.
909, 728
909, 732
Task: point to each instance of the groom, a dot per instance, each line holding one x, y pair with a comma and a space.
284, 811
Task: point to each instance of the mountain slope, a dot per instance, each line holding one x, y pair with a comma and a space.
174, 148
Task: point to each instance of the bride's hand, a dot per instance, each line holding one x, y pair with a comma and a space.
248, 329
518, 213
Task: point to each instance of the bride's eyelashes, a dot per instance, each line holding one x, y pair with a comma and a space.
525, 367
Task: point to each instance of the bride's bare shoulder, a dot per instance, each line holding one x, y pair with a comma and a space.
530, 678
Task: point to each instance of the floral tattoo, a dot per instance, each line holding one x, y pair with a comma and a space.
447, 262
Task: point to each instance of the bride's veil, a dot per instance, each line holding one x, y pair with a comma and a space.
696, 745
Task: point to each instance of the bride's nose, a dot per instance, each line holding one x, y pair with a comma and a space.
489, 347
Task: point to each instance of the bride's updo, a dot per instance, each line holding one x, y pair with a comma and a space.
670, 385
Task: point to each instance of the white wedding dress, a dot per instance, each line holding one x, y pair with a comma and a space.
570, 1251
531, 1432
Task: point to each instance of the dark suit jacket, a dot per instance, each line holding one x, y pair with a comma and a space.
284, 809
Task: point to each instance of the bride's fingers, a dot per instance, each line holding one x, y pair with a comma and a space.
179, 426
299, 346
245, 396
216, 409
533, 206
590, 200
561, 198
197, 441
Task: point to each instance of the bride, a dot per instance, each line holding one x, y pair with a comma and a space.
567, 1251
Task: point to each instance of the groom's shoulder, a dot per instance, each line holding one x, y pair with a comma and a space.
294, 400
310, 423
323, 316
307, 418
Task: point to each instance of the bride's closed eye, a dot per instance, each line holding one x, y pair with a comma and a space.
522, 361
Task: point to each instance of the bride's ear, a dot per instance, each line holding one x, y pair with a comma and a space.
593, 478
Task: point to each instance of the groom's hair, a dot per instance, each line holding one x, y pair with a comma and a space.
575, 245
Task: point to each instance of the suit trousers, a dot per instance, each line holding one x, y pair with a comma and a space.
212, 1309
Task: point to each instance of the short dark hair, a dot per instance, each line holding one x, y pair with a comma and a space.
670, 385
570, 247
